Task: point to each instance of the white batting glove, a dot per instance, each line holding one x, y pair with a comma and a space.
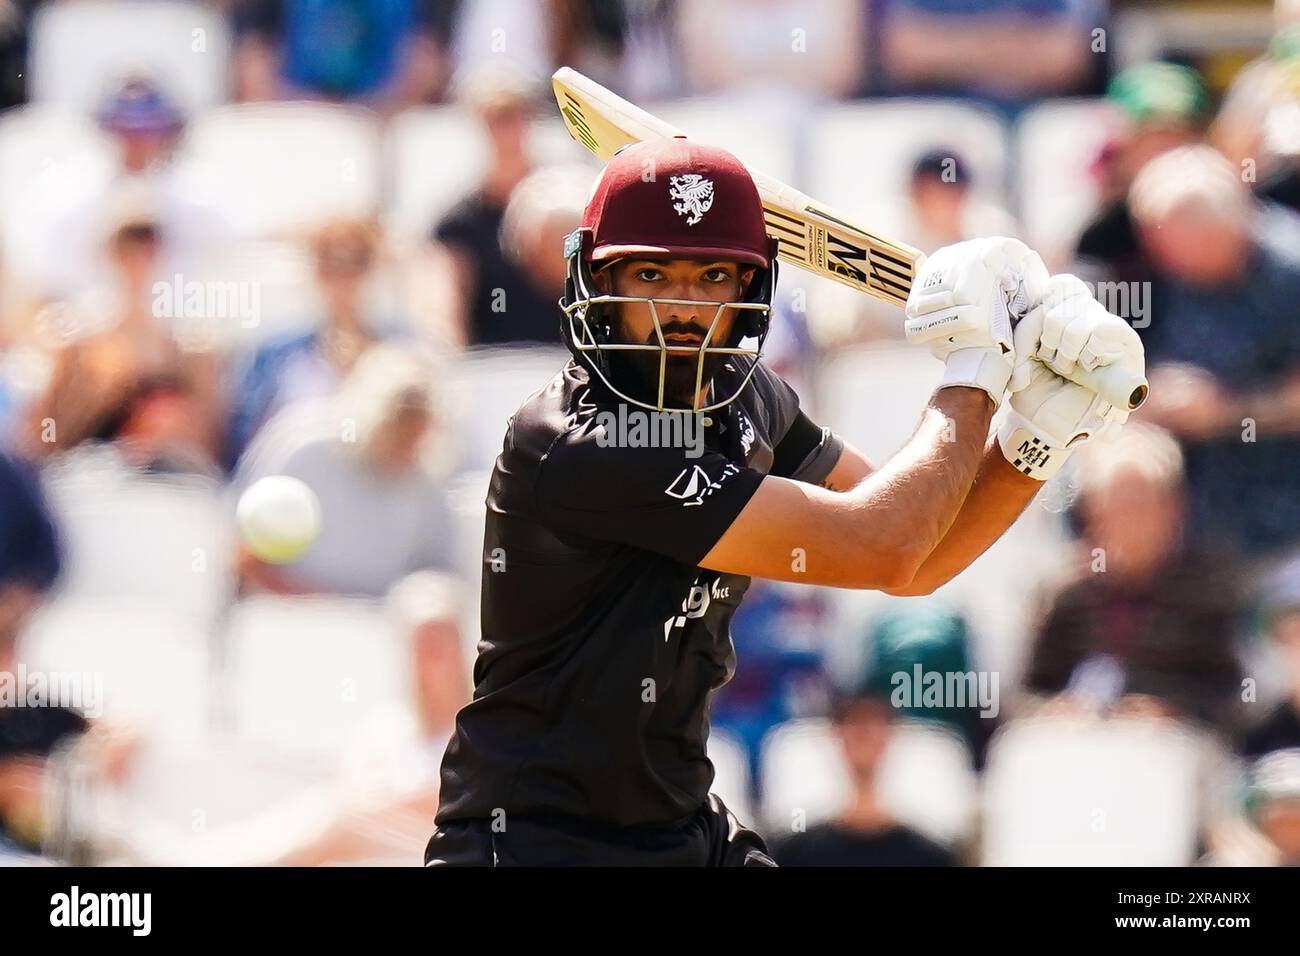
1050, 418
1068, 329
963, 303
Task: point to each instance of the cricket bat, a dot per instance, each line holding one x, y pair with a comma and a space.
811, 235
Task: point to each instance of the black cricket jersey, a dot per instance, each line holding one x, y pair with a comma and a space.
602, 638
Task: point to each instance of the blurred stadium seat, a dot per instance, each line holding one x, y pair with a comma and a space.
731, 774
153, 663
285, 167
757, 129
214, 803
45, 152
1055, 144
874, 395
80, 49
305, 673
486, 386
162, 542
802, 772
926, 778
859, 156
1061, 792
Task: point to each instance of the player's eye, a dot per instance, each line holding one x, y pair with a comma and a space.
648, 274
717, 275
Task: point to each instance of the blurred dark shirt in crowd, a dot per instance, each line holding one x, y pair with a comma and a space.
15, 27
343, 49
1280, 730
1170, 637
1244, 493
1011, 51
831, 844
29, 552
502, 305
1283, 187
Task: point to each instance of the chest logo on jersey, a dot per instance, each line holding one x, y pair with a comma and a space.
693, 484
746, 432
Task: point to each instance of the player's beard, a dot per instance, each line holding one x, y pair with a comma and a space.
640, 371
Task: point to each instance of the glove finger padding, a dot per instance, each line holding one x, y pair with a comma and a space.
964, 303
1049, 419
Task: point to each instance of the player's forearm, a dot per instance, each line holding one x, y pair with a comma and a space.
913, 500
997, 498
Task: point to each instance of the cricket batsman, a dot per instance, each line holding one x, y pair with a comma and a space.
612, 568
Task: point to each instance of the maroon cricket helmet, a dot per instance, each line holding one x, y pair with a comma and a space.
669, 199
680, 199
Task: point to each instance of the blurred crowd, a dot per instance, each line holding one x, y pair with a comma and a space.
160, 351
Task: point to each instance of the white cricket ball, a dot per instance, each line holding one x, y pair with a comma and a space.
279, 518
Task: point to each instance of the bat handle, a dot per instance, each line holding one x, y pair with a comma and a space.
1122, 387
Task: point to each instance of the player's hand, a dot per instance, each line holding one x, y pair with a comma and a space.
1050, 418
1068, 330
964, 302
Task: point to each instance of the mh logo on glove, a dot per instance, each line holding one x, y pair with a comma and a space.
1031, 455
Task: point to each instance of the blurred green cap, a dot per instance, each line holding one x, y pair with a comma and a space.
1159, 91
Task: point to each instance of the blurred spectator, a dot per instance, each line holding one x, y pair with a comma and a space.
1223, 352
787, 45
383, 513
1009, 50
629, 45
940, 207
511, 275
15, 23
390, 54
122, 371
30, 737
1149, 624
467, 257
1275, 804
864, 833
74, 215
479, 39
781, 674
1280, 730
938, 642
1163, 105
1259, 120
311, 365
29, 549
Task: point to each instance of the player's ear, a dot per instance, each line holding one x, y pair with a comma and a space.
603, 276
746, 277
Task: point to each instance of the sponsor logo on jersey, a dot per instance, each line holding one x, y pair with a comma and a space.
692, 196
692, 485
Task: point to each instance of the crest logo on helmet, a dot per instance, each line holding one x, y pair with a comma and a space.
692, 196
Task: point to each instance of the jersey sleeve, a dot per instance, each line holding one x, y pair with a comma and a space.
802, 450
656, 499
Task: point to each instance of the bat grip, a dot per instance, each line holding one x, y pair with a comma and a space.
1122, 387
